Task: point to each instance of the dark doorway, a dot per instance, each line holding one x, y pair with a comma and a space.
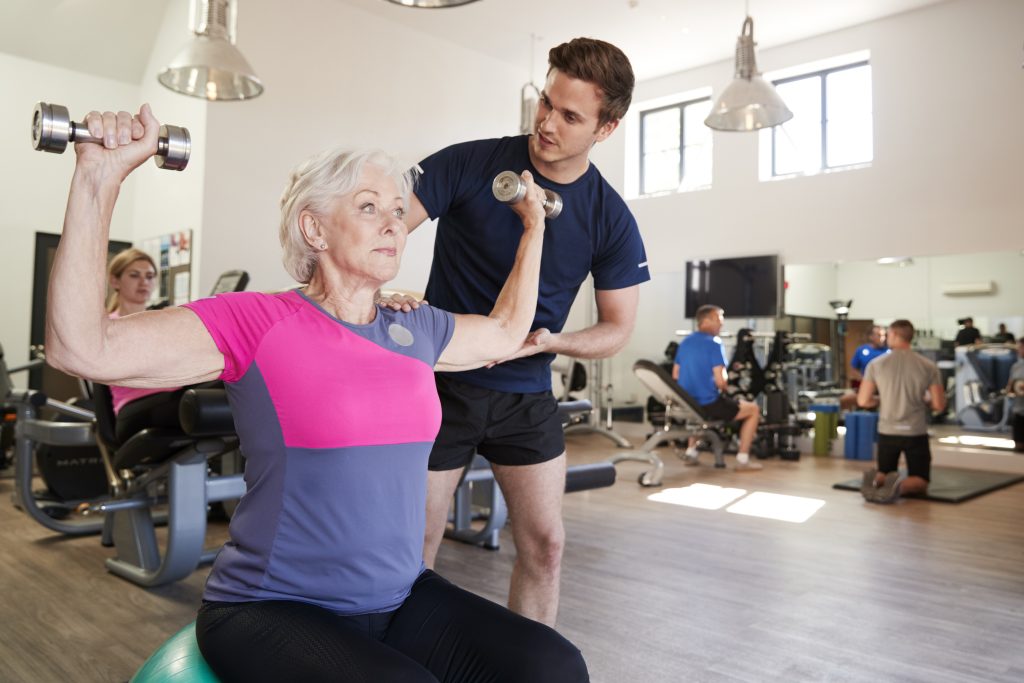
53, 383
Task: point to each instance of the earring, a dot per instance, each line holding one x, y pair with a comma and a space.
323, 246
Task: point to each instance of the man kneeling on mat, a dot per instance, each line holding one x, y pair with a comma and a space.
907, 386
700, 370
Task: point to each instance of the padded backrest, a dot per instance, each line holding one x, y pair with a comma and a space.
105, 420
666, 390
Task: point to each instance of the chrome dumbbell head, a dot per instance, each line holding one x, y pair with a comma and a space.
53, 129
509, 188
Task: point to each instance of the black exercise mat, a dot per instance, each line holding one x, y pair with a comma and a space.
953, 485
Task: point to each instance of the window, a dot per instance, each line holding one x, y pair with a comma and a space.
831, 125
675, 147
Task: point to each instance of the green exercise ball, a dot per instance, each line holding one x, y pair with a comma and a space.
177, 661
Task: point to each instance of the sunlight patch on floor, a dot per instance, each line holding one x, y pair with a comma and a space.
703, 496
777, 506
758, 504
974, 440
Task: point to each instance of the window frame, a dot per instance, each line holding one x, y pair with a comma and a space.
680, 107
821, 75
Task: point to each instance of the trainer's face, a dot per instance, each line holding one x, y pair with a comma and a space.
877, 337
713, 323
566, 126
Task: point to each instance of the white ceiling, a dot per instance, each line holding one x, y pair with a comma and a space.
660, 36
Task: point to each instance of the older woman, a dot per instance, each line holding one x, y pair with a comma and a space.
334, 402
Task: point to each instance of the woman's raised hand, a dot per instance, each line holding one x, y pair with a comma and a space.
127, 142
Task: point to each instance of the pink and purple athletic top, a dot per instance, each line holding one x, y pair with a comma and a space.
336, 422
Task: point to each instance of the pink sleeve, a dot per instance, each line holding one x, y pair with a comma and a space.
237, 322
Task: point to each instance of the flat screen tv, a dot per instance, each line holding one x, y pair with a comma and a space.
745, 287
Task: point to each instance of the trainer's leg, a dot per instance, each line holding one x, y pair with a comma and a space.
534, 496
459, 636
440, 490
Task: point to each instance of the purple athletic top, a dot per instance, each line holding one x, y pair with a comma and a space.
336, 422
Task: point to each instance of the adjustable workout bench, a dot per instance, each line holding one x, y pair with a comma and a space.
683, 418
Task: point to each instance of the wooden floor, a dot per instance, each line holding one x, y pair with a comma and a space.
651, 592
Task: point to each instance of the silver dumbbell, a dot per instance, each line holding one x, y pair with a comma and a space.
509, 188
53, 129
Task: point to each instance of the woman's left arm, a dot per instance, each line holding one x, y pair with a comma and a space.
479, 340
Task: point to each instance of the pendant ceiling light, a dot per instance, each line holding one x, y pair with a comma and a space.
529, 97
749, 102
210, 66
431, 4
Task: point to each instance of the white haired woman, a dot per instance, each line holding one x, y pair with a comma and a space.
336, 409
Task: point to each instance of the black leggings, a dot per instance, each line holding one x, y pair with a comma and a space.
441, 633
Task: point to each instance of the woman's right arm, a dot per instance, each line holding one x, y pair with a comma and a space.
164, 348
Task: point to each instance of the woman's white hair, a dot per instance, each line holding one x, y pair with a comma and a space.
315, 185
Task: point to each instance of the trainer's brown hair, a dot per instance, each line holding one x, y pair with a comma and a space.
602, 64
904, 329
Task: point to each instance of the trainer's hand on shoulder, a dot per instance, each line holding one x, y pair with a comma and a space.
127, 142
397, 301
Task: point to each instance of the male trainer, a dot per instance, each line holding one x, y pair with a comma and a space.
508, 413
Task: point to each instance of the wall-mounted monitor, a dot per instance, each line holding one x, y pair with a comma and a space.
745, 287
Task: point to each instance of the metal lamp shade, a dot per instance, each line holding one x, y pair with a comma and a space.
213, 69
749, 102
431, 4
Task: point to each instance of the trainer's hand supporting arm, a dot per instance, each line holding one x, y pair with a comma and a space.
478, 339
159, 348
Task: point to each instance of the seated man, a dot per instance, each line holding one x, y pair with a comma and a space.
700, 370
907, 385
968, 334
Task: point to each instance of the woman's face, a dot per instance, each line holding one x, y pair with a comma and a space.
136, 282
364, 231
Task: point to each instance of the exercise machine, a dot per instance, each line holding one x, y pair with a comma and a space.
982, 373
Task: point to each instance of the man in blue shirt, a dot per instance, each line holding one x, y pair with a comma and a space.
700, 369
866, 353
507, 413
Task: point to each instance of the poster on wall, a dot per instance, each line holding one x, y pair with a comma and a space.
173, 255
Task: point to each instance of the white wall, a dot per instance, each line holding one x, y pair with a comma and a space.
919, 296
948, 99
169, 201
809, 288
335, 75
34, 185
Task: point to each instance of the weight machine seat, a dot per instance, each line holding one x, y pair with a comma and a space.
684, 417
680, 405
203, 413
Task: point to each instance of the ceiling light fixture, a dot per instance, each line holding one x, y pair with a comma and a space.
901, 261
210, 66
431, 4
749, 102
529, 97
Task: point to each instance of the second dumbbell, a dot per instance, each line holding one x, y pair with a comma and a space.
53, 129
509, 188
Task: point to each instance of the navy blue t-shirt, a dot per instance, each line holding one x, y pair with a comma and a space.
477, 239
696, 356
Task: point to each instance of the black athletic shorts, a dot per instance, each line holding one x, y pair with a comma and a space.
505, 428
916, 448
722, 408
